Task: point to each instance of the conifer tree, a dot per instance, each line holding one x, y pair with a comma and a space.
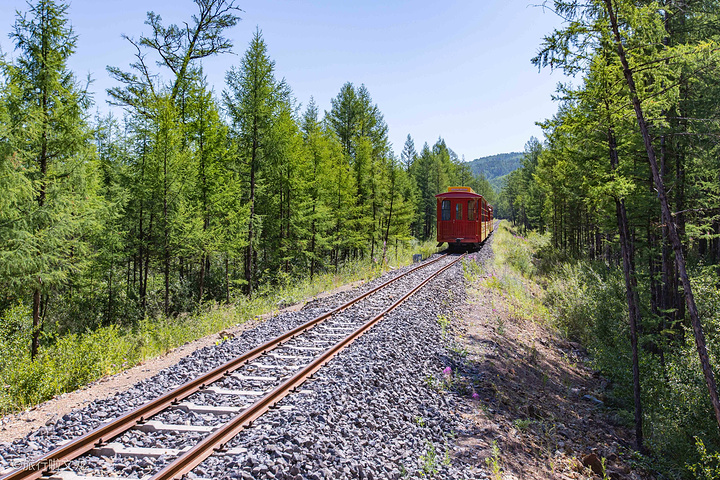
47, 111
318, 187
161, 118
15, 201
344, 117
650, 71
252, 99
207, 135
408, 155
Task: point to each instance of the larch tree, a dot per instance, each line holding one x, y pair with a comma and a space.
344, 117
15, 203
252, 99
633, 38
409, 154
319, 187
47, 114
613, 9
160, 109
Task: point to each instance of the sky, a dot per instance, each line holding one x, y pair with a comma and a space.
454, 69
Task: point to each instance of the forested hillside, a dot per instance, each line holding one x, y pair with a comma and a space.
627, 184
498, 165
198, 194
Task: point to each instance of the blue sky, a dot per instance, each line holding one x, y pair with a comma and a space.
456, 69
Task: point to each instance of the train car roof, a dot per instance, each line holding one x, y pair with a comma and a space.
458, 195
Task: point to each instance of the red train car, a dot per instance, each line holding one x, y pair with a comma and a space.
464, 218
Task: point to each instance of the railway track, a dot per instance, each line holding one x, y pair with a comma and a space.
230, 397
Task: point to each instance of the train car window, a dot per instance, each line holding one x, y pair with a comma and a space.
472, 210
446, 210
458, 211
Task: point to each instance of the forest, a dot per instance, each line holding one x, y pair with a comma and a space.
627, 185
112, 226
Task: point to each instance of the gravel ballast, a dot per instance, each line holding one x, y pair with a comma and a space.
377, 410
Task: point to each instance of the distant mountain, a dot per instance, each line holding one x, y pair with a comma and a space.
496, 166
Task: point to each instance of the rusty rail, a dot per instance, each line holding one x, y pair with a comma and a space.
60, 456
216, 440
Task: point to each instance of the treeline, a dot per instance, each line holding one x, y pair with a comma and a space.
190, 197
628, 182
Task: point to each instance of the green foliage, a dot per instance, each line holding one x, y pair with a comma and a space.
588, 304
522, 200
68, 361
516, 251
586, 301
128, 231
429, 460
472, 271
444, 323
708, 468
493, 462
591, 174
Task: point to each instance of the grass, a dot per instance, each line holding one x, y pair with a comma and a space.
429, 461
513, 274
65, 363
493, 462
444, 322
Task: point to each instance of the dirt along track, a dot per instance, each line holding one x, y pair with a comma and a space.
536, 410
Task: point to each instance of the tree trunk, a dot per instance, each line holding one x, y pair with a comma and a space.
141, 231
35, 344
667, 218
166, 236
227, 278
202, 277
43, 164
249, 253
389, 220
626, 248
147, 266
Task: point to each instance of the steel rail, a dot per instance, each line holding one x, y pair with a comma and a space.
217, 439
59, 456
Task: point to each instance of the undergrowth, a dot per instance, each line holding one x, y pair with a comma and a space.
585, 301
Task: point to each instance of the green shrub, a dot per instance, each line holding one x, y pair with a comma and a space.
589, 304
708, 465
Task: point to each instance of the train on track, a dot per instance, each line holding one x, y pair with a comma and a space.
464, 218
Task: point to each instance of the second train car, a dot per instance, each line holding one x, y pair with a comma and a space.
464, 218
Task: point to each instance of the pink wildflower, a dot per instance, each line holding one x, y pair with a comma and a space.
447, 371
475, 396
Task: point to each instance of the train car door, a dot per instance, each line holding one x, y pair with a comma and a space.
445, 219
